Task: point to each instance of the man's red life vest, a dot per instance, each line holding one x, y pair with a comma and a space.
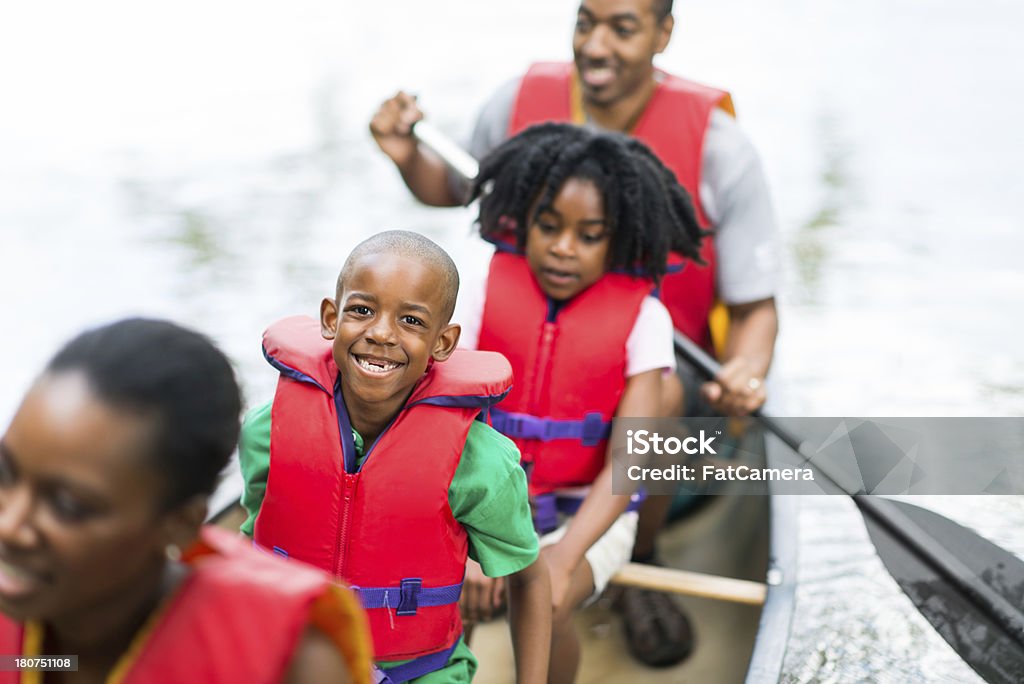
236, 619
569, 363
385, 528
672, 125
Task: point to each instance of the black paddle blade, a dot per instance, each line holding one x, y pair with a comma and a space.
969, 589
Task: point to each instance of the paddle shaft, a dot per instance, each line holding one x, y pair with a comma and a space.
691, 583
451, 154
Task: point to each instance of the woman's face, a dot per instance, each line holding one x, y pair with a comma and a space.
80, 522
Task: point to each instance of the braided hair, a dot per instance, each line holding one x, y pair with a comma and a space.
648, 213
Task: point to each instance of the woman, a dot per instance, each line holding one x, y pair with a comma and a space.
105, 470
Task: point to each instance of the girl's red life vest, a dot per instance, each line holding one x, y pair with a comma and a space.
386, 527
673, 125
569, 362
235, 619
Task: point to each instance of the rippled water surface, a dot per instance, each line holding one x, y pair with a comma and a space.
210, 162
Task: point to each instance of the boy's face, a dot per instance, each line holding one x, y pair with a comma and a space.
387, 323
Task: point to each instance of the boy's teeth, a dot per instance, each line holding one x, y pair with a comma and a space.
376, 366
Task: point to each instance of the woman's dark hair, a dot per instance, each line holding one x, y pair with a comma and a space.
648, 212
174, 376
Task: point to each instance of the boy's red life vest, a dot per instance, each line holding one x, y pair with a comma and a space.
236, 619
569, 362
385, 528
673, 125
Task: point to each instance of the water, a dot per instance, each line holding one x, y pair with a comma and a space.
210, 162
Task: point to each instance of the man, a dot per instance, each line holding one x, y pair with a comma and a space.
614, 85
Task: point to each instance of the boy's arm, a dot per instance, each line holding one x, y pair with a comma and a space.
530, 621
600, 508
254, 459
488, 495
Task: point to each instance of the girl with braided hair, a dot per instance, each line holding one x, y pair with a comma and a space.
585, 224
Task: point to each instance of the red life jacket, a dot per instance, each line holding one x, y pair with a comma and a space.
235, 619
385, 528
672, 125
570, 368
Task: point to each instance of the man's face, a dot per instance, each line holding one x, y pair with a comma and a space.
388, 322
614, 44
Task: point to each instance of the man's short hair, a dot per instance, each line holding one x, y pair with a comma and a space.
415, 246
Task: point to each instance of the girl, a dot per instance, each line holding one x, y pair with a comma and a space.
584, 224
105, 471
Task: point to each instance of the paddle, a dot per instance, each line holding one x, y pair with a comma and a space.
968, 588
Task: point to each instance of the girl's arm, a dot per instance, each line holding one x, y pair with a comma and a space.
600, 508
530, 621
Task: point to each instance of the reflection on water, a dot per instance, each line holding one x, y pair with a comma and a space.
224, 190
810, 242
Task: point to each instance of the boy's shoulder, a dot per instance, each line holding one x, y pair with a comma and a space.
484, 443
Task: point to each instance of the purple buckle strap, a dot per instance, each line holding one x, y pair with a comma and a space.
590, 431
414, 668
408, 597
546, 508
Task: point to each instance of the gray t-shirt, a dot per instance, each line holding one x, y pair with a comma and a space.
733, 194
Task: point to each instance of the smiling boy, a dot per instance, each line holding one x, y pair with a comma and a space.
371, 464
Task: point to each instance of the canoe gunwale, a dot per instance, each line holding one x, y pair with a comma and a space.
777, 613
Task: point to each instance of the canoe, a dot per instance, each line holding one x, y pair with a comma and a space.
739, 536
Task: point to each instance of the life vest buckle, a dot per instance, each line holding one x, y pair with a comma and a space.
595, 429
408, 602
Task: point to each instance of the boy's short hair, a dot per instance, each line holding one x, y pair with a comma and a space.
413, 245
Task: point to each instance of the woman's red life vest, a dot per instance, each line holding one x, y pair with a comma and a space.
569, 362
385, 528
672, 125
236, 619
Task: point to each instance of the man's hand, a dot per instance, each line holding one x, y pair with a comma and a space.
392, 125
482, 596
736, 390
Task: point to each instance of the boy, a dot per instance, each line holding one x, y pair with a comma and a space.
370, 462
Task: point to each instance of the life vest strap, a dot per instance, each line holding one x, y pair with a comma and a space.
415, 668
547, 507
591, 430
408, 597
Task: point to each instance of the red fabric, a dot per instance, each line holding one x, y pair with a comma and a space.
391, 520
673, 126
564, 368
236, 619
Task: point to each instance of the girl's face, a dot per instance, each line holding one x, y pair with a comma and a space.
79, 518
567, 244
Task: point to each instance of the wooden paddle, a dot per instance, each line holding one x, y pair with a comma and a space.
691, 583
968, 588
